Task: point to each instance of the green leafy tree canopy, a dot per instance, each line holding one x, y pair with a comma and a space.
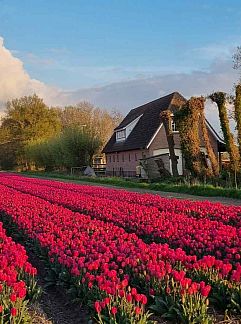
28, 118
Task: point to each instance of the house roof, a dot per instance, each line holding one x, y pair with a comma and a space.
221, 144
146, 125
215, 133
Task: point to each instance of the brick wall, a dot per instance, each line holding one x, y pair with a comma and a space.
160, 141
127, 160
214, 142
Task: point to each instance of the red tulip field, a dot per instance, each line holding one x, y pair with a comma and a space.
129, 257
17, 281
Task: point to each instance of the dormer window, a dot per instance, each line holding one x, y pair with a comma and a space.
174, 127
121, 135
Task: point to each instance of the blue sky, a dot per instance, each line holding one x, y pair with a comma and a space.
117, 54
74, 44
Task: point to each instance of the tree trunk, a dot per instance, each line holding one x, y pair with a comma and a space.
237, 107
220, 99
166, 119
210, 151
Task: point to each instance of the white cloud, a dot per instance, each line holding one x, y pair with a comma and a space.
212, 51
16, 82
130, 93
35, 59
124, 95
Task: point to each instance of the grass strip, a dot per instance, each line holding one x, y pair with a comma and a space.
197, 190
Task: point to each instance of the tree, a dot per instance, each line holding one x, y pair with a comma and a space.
73, 147
206, 139
187, 120
166, 119
237, 99
237, 113
27, 119
9, 154
237, 58
95, 121
220, 98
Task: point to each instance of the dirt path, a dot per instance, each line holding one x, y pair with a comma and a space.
223, 200
54, 307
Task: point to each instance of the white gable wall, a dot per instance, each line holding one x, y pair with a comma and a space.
129, 127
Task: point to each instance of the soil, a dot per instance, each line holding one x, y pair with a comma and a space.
54, 307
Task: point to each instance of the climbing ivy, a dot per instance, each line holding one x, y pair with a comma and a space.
237, 111
220, 98
166, 117
187, 121
210, 152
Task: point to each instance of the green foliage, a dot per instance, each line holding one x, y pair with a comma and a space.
41, 154
213, 159
9, 153
94, 121
166, 119
73, 147
30, 134
237, 108
27, 119
220, 98
236, 301
206, 190
189, 136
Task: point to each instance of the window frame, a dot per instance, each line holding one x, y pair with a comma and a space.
121, 135
173, 126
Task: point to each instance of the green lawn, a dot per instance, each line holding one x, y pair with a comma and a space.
198, 190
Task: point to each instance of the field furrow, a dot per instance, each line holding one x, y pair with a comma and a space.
94, 249
17, 281
197, 236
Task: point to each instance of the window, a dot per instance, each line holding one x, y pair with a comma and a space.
114, 158
135, 156
123, 158
117, 157
121, 135
173, 127
129, 156
110, 159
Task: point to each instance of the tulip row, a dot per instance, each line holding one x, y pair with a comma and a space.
197, 236
229, 215
17, 281
103, 260
41, 191
216, 272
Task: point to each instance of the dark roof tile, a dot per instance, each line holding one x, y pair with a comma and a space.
147, 124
